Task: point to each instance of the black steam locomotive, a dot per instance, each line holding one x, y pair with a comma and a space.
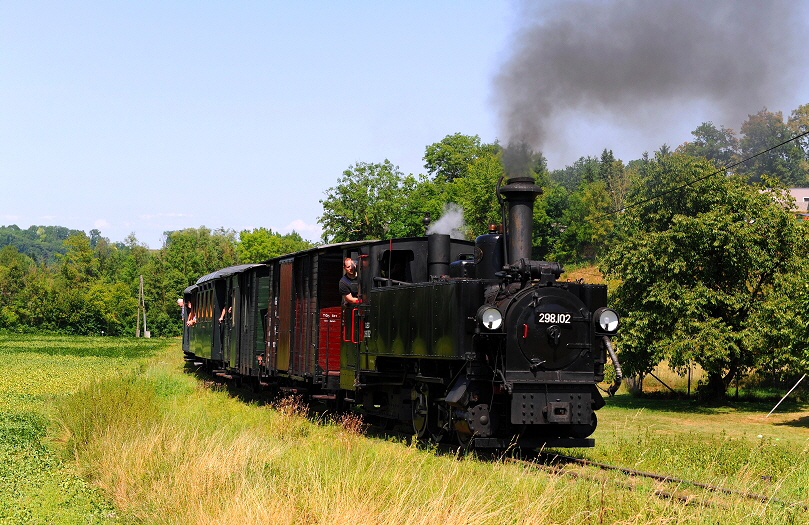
470, 341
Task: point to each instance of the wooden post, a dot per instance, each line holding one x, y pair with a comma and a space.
141, 308
137, 316
689, 380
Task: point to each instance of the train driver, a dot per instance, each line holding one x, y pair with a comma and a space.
349, 288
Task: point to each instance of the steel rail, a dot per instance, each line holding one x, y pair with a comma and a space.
669, 479
686, 500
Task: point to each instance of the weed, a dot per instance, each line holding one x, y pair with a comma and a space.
352, 423
291, 406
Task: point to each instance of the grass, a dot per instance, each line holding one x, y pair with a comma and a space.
37, 485
201, 456
735, 445
152, 444
589, 273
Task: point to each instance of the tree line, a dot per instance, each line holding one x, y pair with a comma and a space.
61, 280
705, 265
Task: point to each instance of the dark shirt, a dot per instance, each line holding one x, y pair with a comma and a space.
349, 286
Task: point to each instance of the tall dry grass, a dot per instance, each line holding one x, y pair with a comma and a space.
169, 450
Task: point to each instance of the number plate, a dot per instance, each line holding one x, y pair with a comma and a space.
553, 318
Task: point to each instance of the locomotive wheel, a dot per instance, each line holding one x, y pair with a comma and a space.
463, 439
420, 410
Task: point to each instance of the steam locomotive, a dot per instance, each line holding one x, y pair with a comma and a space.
452, 339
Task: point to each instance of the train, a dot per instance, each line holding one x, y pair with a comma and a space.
470, 342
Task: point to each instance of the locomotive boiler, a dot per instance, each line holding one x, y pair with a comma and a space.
452, 340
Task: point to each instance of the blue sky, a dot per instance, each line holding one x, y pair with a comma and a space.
152, 116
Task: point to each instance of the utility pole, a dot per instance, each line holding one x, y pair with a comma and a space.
142, 308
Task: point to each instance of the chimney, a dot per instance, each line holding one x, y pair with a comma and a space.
520, 193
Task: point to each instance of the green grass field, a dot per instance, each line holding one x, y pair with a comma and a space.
114, 431
37, 483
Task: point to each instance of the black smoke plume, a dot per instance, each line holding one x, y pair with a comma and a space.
636, 62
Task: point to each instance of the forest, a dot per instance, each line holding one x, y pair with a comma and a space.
699, 243
63, 281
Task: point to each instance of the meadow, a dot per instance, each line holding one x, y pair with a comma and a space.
125, 434
38, 482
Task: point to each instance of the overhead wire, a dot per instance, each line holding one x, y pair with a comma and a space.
699, 179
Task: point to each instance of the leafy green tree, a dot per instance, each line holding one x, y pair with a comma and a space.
451, 157
476, 194
761, 132
798, 124
41, 243
717, 144
616, 178
370, 201
587, 224
14, 269
700, 270
584, 170
193, 252
427, 199
549, 210
261, 244
186, 256
79, 265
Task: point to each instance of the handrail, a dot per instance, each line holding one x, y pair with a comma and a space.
354, 325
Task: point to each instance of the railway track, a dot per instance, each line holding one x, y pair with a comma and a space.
554, 463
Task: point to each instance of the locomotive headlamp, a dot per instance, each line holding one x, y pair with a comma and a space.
606, 320
490, 318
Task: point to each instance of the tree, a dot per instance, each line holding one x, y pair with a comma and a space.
616, 177
587, 224
14, 269
761, 132
549, 210
719, 145
700, 268
477, 196
262, 244
798, 124
370, 202
79, 266
451, 157
585, 169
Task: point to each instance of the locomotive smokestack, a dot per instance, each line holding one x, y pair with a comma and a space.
520, 193
438, 253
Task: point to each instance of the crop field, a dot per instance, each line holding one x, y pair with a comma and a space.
37, 483
117, 431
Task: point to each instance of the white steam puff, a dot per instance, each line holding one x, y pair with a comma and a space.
450, 223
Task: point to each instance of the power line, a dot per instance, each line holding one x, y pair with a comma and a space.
720, 170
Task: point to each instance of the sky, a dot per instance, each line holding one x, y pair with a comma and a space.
145, 117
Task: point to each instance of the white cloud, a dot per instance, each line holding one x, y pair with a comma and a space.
307, 231
101, 223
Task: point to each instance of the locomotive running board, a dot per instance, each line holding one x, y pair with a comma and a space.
535, 443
